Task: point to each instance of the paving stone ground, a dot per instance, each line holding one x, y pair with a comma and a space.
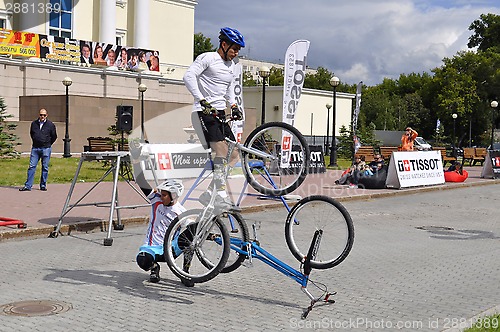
398, 277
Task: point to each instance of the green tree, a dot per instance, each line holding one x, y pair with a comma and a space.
486, 33
276, 77
8, 140
248, 79
202, 44
320, 80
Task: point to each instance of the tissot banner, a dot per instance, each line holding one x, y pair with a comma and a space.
491, 165
294, 75
415, 168
358, 107
237, 126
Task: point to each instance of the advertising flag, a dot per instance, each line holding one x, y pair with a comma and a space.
237, 126
294, 75
358, 107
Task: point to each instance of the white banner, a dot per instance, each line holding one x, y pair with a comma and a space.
237, 126
294, 75
415, 168
358, 107
170, 161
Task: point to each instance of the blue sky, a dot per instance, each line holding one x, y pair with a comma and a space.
362, 40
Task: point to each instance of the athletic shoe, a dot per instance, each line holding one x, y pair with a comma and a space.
155, 273
222, 204
352, 186
24, 189
43, 189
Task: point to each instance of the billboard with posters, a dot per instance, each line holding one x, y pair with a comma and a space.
18, 43
80, 52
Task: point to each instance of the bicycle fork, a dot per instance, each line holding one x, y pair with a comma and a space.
311, 255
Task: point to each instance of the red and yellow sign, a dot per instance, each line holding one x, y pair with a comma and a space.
18, 43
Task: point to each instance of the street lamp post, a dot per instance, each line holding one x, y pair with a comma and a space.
264, 72
142, 88
454, 116
334, 82
67, 153
494, 105
327, 145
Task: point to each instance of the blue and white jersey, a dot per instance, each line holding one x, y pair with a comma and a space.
160, 219
210, 77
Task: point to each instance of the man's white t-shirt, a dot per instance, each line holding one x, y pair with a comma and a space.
211, 78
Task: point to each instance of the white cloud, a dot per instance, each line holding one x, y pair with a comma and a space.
366, 38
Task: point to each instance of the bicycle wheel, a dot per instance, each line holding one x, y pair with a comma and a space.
320, 213
266, 175
186, 257
238, 231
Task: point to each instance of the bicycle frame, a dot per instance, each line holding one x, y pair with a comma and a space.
257, 252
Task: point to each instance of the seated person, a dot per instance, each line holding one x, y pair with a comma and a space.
456, 167
378, 159
357, 165
165, 208
377, 181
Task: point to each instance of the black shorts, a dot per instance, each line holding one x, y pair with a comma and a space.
210, 129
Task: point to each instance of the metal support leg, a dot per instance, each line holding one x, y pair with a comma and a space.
108, 241
55, 233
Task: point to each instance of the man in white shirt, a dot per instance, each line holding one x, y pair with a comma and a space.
209, 79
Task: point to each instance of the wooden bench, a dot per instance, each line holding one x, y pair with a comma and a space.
479, 156
100, 144
469, 155
444, 157
386, 152
367, 152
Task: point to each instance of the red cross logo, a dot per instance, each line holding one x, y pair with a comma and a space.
406, 165
164, 161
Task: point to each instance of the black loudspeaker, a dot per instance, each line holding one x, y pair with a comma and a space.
124, 117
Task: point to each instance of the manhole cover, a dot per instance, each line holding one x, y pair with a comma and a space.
35, 308
434, 228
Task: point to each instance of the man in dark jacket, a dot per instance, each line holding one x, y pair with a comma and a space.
43, 134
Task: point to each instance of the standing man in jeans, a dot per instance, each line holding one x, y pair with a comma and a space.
43, 134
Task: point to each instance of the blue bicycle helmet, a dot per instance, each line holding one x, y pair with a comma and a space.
232, 36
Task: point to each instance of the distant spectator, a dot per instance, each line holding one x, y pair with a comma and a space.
407, 139
43, 135
348, 174
377, 159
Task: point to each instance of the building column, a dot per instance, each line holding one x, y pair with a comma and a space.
141, 25
107, 22
31, 21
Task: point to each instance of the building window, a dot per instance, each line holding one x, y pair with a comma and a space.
120, 36
61, 22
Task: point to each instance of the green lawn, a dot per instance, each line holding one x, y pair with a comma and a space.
486, 324
61, 170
